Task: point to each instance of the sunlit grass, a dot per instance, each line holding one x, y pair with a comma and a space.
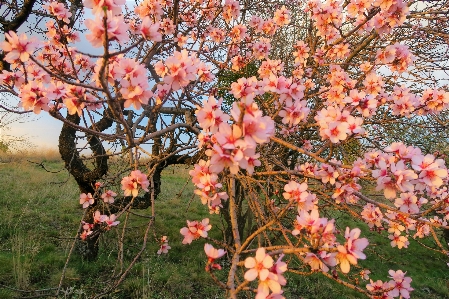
40, 217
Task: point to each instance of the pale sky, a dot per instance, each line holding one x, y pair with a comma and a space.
42, 133
44, 130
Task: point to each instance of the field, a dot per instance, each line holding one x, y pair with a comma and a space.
40, 215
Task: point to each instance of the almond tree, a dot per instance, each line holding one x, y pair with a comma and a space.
317, 86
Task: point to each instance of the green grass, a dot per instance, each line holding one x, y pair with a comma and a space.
40, 214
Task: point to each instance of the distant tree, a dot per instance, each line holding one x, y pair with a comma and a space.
8, 118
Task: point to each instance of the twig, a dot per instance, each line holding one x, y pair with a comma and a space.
70, 254
236, 234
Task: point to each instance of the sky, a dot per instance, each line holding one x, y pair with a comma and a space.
42, 131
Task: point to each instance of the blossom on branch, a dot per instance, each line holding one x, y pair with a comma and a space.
212, 255
132, 183
164, 245
195, 230
18, 48
86, 200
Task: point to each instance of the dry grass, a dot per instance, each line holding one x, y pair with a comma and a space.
34, 155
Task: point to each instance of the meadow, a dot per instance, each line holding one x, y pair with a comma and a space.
40, 215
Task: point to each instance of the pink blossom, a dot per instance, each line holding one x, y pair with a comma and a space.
149, 7
365, 274
135, 95
306, 221
109, 220
18, 47
244, 88
352, 250
345, 259
432, 172
336, 131
282, 16
131, 184
267, 285
268, 27
181, 68
86, 200
113, 6
212, 255
378, 287
195, 230
407, 202
164, 245
12, 78
97, 217
294, 112
320, 262
398, 241
108, 196
401, 284
258, 266
231, 10
373, 84
355, 245
116, 29
32, 97
301, 53
372, 215
58, 9
56, 90
434, 100
238, 33
210, 116
87, 230
150, 30
297, 192
327, 173
227, 152
261, 49
269, 67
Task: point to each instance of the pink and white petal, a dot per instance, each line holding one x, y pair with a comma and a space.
344, 266
260, 254
251, 274
250, 262
263, 274
268, 261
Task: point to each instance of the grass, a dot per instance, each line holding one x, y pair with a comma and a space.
427, 268
40, 216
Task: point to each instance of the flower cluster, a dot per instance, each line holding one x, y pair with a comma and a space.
86, 200
162, 57
399, 286
182, 68
195, 230
132, 183
212, 255
268, 273
208, 186
98, 220
18, 48
164, 245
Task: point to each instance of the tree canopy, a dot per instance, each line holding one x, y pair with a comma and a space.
288, 111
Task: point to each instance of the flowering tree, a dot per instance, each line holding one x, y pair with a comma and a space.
316, 88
